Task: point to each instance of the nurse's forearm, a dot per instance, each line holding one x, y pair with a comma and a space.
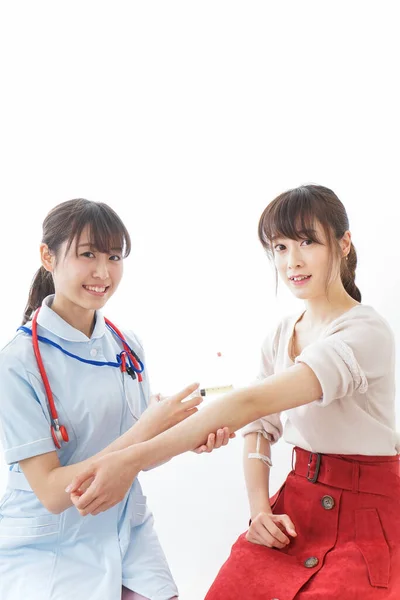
294, 387
48, 479
139, 432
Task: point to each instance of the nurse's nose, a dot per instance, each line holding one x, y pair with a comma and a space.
101, 268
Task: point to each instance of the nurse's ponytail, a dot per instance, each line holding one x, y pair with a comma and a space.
41, 286
65, 223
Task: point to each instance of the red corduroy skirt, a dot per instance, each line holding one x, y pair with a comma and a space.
346, 510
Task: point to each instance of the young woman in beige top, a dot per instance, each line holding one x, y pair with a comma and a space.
332, 530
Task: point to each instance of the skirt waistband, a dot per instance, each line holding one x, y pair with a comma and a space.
372, 476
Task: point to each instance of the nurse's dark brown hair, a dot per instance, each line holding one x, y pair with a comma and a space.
294, 215
66, 222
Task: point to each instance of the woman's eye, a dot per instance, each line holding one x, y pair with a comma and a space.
279, 247
87, 254
306, 242
115, 257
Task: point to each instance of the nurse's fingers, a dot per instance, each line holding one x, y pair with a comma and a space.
187, 413
93, 507
88, 497
80, 480
103, 507
200, 449
189, 389
222, 437
191, 403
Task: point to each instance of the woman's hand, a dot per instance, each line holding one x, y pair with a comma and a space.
214, 441
110, 477
270, 530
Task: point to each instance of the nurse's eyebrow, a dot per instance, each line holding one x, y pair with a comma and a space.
119, 249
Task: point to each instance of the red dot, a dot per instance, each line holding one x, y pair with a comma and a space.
219, 354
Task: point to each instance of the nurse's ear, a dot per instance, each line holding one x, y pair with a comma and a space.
47, 258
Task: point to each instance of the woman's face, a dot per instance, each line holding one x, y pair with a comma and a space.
304, 265
84, 276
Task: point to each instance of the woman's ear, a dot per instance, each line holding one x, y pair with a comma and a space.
47, 258
345, 244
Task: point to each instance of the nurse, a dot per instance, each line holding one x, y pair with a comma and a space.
333, 530
95, 402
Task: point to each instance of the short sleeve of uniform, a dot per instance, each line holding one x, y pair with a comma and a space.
358, 352
270, 426
24, 426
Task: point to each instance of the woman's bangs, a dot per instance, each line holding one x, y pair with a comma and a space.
291, 215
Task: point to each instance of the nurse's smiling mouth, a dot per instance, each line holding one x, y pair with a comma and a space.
96, 290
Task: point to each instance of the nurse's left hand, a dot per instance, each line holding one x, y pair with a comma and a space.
214, 441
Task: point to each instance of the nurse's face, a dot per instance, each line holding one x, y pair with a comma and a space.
84, 276
304, 265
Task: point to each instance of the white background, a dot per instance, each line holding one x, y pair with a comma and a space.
188, 118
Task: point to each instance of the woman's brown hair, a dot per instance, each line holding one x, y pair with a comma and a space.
293, 215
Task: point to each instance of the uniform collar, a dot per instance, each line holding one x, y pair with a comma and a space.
51, 321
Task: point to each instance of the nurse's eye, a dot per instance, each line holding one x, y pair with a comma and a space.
306, 242
115, 257
88, 254
279, 248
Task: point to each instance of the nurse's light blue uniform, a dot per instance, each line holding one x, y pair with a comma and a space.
68, 557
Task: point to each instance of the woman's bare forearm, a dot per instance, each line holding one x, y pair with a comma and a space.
256, 474
294, 387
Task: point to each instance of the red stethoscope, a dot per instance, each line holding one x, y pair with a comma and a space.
127, 361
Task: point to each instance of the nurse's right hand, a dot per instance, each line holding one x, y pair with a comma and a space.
165, 412
111, 477
270, 530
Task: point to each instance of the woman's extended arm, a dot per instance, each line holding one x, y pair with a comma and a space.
294, 387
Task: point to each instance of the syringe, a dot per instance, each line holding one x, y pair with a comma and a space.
215, 390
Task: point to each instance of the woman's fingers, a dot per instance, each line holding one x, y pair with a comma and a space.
265, 537
288, 525
270, 530
274, 530
259, 535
